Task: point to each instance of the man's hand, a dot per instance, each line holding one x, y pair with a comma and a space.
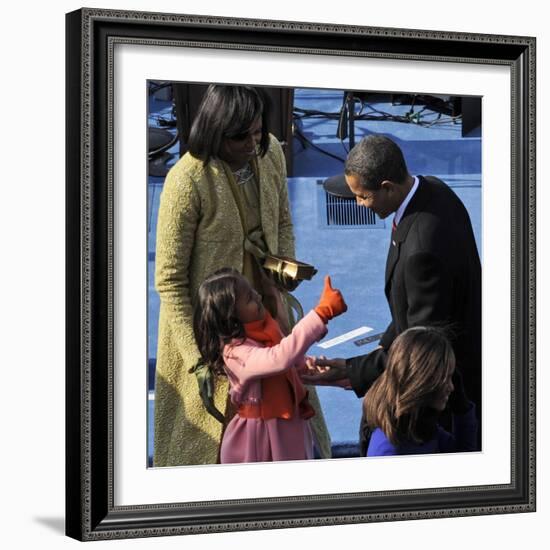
326, 372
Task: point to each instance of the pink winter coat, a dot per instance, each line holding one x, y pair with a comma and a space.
257, 439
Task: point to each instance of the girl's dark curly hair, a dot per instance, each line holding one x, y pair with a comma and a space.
215, 320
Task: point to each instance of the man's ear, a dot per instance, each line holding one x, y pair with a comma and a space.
388, 186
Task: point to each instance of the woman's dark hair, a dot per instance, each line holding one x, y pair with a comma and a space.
419, 363
215, 320
375, 159
227, 112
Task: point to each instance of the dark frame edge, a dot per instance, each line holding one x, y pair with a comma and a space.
397, 41
532, 349
280, 25
121, 523
524, 265
73, 283
522, 257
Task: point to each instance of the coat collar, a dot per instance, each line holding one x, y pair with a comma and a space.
417, 205
268, 188
266, 192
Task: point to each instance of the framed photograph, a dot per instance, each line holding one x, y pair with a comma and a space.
116, 62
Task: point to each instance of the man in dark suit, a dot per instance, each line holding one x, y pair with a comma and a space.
433, 271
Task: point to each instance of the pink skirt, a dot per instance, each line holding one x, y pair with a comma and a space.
259, 440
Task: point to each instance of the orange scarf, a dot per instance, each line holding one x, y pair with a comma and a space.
280, 392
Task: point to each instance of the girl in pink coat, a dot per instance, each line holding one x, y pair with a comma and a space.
237, 336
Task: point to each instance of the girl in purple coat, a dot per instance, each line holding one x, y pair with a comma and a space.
403, 405
237, 336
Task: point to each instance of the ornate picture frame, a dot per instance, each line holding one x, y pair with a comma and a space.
91, 511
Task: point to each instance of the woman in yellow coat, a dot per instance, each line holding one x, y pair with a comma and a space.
222, 201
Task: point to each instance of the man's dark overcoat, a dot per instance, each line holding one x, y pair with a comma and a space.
433, 277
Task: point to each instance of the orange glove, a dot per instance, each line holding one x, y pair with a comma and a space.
331, 302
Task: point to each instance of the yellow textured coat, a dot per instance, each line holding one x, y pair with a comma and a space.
199, 231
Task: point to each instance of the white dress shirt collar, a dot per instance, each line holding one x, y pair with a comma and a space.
403, 206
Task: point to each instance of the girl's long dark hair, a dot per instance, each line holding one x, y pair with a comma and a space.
226, 112
215, 320
417, 369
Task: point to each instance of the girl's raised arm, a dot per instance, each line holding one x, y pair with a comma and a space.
247, 361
